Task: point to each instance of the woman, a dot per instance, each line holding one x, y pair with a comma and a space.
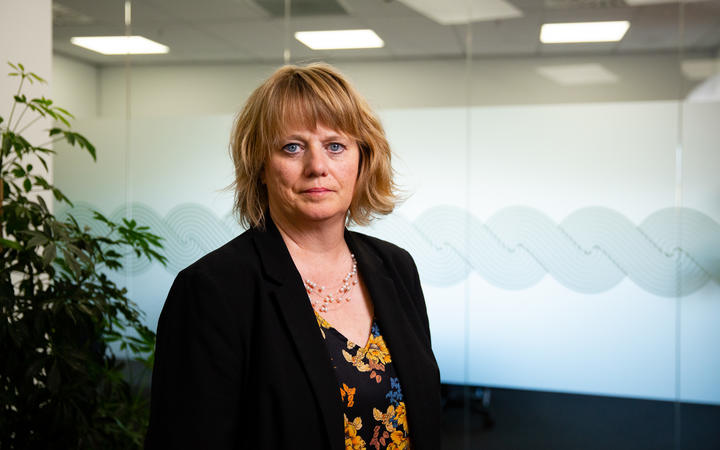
299, 333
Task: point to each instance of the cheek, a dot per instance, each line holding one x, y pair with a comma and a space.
276, 175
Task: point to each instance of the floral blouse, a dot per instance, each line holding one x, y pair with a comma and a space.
372, 399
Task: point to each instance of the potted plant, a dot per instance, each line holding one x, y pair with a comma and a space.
61, 385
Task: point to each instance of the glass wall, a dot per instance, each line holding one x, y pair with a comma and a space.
561, 198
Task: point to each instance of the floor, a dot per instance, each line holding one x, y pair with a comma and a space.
524, 420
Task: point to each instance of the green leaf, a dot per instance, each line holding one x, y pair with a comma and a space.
18, 172
79, 253
71, 261
64, 111
11, 244
44, 163
40, 79
27, 184
49, 253
43, 205
54, 378
37, 240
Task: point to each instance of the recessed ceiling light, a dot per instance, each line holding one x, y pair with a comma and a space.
120, 45
578, 74
456, 12
563, 33
700, 69
339, 39
706, 92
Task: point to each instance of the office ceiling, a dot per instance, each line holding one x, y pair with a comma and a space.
254, 30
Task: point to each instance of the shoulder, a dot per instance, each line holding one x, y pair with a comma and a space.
397, 264
383, 249
215, 288
235, 259
223, 280
397, 261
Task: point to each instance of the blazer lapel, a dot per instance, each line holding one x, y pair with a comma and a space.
408, 352
289, 296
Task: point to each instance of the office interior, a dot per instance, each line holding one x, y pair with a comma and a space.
562, 199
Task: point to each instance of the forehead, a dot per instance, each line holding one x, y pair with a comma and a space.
300, 129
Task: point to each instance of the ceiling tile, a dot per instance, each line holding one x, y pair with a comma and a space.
207, 10
416, 36
379, 9
514, 36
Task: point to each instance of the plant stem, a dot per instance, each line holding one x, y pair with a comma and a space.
29, 124
2, 198
52, 141
12, 110
27, 106
10, 161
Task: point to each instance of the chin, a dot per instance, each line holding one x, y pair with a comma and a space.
322, 215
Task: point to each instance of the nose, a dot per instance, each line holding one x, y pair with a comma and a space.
316, 161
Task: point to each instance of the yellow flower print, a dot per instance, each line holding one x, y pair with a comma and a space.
401, 416
350, 392
399, 441
352, 440
357, 360
385, 418
395, 419
377, 351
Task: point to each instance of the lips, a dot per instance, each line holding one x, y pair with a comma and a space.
316, 190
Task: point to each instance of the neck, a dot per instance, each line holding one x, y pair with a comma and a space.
316, 240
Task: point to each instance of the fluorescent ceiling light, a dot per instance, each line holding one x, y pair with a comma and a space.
120, 45
578, 74
562, 33
455, 12
339, 39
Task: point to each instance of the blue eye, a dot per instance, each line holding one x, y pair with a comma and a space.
336, 148
292, 148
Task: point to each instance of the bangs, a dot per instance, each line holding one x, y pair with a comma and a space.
305, 100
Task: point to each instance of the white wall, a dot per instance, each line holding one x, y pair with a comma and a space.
26, 37
75, 86
581, 169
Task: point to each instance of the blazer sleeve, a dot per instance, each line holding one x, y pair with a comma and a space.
417, 294
197, 376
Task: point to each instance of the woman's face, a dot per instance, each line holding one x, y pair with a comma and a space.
310, 176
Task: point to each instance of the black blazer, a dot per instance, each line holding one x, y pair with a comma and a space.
241, 364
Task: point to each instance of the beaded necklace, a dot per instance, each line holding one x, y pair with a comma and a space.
323, 299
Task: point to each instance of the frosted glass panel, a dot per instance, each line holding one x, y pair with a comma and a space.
567, 252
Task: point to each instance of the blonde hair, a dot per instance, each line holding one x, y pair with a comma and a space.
308, 96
